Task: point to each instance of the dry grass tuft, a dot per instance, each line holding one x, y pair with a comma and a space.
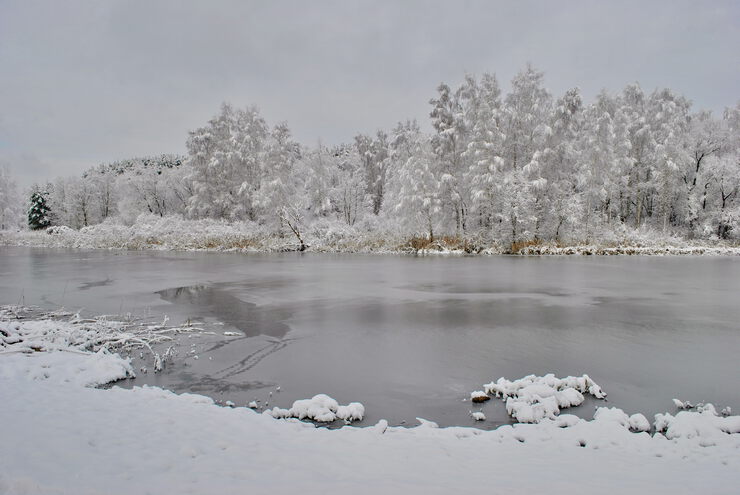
519, 245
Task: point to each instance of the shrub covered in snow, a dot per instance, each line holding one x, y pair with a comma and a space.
173, 232
29, 330
320, 408
533, 398
703, 424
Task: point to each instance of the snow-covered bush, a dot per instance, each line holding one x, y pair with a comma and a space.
534, 398
31, 330
320, 408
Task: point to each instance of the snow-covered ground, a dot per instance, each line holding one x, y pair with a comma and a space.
176, 233
59, 435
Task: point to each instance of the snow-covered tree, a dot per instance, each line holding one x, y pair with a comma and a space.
419, 199
279, 196
601, 163
484, 152
561, 209
225, 158
318, 170
448, 145
11, 205
509, 167
373, 151
722, 204
143, 192
670, 120
526, 110
402, 143
39, 212
525, 122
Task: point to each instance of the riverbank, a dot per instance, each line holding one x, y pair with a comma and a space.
61, 436
177, 234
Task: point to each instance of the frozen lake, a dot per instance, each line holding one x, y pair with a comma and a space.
413, 336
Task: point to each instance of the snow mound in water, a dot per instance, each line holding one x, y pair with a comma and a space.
534, 398
320, 408
478, 416
705, 425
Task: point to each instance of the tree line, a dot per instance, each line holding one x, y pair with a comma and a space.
520, 166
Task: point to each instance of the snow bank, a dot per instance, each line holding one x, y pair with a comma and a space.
323, 235
704, 425
174, 233
534, 398
66, 367
149, 440
649, 250
320, 408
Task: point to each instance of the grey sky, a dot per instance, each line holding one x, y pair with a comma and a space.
88, 82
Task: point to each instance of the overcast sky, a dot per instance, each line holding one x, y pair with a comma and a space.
89, 82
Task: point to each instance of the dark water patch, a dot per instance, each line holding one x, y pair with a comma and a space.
98, 283
467, 289
252, 320
208, 385
255, 285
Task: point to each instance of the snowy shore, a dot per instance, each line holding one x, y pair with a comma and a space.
177, 234
62, 436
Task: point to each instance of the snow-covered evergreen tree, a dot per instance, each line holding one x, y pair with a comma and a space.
39, 212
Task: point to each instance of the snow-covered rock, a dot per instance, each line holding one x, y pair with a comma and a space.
479, 396
682, 404
638, 422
